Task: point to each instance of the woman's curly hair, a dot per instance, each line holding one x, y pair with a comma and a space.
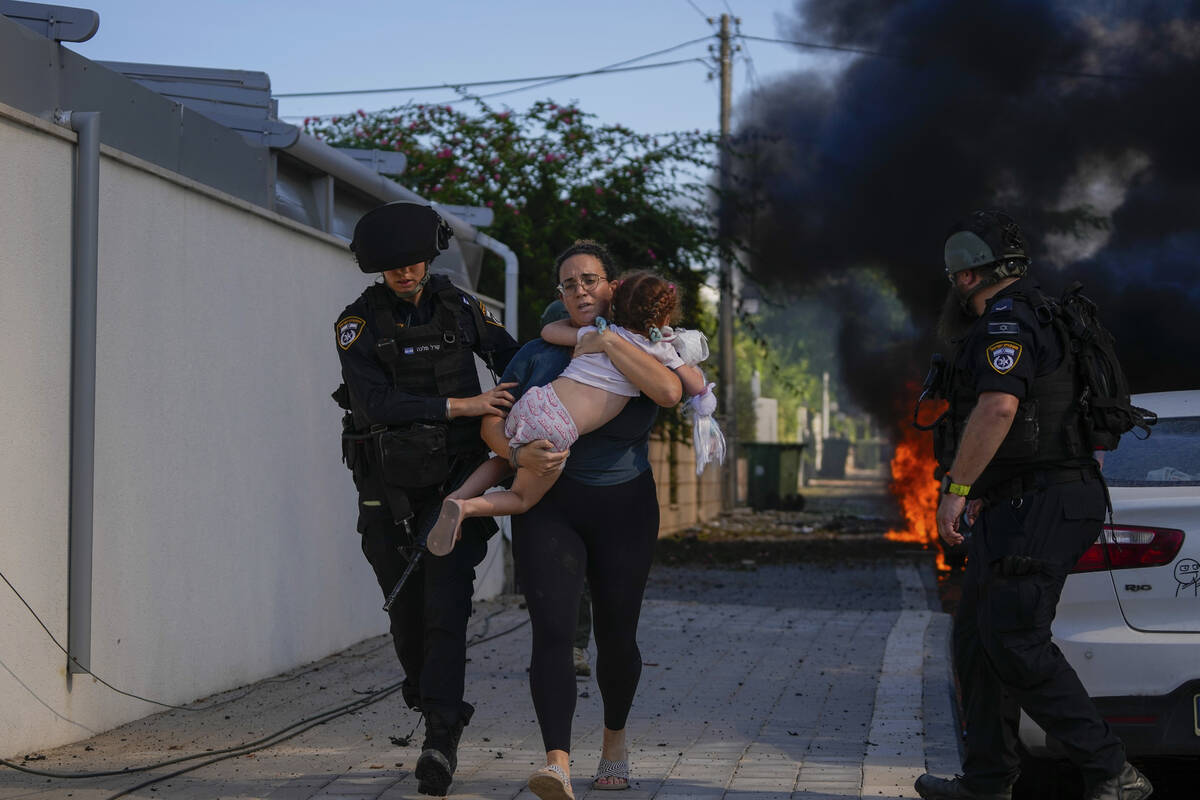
588, 247
643, 300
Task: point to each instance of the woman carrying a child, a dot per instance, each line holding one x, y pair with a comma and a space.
598, 519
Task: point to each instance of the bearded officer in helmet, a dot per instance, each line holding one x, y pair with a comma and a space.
407, 347
1017, 480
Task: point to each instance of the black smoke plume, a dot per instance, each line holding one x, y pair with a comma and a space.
1081, 119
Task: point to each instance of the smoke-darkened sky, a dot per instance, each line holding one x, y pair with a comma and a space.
1079, 118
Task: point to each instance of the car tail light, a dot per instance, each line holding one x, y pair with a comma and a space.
1130, 546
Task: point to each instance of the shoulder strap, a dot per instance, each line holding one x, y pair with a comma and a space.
377, 299
457, 302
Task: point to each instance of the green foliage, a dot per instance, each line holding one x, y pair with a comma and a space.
551, 175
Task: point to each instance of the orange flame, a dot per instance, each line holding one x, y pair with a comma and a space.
914, 487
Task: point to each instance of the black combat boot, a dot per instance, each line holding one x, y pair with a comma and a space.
439, 753
1128, 784
931, 787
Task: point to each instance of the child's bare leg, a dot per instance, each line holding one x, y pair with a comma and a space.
445, 531
485, 476
527, 489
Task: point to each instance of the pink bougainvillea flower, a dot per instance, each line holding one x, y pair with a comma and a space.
650, 253
489, 204
362, 113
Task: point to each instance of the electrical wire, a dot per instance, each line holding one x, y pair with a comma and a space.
819, 46
602, 71
498, 82
706, 17
270, 740
77, 663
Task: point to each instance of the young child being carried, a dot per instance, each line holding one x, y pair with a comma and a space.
585, 396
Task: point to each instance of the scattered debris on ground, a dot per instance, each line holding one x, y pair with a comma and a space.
841, 520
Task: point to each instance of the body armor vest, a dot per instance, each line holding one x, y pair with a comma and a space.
1047, 429
434, 359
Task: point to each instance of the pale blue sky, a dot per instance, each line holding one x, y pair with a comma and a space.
309, 46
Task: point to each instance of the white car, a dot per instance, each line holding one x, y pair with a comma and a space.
1129, 617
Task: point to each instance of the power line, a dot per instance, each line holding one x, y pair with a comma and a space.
604, 69
707, 17
617, 67
819, 46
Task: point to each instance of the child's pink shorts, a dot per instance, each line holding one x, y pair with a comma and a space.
539, 414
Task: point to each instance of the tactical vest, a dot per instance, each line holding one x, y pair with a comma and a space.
435, 359
1047, 428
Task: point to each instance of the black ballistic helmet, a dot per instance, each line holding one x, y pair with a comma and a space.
398, 234
986, 239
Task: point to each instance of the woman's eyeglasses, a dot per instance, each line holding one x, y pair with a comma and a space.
587, 282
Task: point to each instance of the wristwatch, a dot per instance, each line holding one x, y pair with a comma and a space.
950, 487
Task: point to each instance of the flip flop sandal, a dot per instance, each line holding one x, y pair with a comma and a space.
551, 783
610, 770
441, 538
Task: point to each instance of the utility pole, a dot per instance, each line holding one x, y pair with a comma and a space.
725, 311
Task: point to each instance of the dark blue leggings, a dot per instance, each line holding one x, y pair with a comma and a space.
606, 533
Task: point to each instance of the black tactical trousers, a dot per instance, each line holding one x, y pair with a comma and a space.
429, 618
1020, 551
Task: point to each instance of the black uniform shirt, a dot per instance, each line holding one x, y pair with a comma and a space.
1007, 348
367, 375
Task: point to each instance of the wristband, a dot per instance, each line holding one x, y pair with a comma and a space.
512, 455
950, 487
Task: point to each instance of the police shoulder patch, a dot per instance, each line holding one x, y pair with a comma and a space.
487, 315
1003, 356
1003, 304
348, 330
1003, 328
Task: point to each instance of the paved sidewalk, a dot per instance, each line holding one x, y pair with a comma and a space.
797, 681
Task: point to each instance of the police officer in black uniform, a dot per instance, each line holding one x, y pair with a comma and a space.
1019, 478
407, 347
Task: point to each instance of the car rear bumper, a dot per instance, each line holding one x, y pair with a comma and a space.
1162, 725
1149, 725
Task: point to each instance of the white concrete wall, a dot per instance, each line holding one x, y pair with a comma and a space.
225, 548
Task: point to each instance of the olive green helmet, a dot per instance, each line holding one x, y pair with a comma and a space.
986, 239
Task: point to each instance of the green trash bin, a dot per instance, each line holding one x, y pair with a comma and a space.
773, 475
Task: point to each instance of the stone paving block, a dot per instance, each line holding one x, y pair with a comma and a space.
737, 698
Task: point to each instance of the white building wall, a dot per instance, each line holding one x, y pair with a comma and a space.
225, 548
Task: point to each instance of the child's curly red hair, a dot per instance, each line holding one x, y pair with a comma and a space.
642, 300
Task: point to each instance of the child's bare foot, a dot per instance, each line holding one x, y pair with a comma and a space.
445, 531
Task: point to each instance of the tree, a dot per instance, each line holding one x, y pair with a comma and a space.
551, 175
